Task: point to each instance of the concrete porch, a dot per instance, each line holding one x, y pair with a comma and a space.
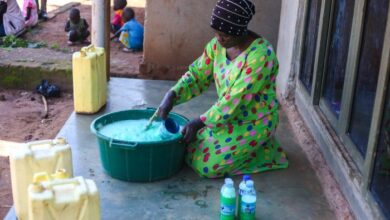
294, 193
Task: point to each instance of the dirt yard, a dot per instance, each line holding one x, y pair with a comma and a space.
21, 118
21, 111
52, 32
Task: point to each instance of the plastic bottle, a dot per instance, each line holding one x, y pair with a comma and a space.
228, 200
241, 189
248, 202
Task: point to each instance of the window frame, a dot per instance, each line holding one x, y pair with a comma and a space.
315, 105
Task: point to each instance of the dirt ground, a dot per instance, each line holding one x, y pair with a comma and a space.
21, 111
21, 121
52, 32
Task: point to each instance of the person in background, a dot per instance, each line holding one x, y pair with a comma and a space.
42, 13
117, 21
30, 13
236, 135
11, 17
132, 32
3, 9
77, 28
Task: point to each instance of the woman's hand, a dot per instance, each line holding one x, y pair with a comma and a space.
166, 105
191, 129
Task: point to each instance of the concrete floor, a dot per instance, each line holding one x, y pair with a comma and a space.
293, 193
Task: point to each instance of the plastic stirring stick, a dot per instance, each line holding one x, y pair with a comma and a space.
151, 119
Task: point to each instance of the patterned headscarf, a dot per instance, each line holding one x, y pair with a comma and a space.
232, 16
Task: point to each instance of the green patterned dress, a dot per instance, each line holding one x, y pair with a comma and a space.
238, 137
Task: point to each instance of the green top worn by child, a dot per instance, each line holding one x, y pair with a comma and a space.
76, 27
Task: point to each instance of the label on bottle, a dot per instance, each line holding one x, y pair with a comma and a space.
227, 209
248, 208
228, 206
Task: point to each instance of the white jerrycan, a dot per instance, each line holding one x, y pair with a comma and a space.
56, 199
34, 157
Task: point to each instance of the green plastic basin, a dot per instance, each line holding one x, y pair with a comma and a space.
139, 161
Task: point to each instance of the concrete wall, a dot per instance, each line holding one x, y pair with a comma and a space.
287, 37
176, 32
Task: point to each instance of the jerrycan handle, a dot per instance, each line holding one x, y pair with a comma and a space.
40, 177
89, 48
44, 176
33, 144
72, 181
38, 187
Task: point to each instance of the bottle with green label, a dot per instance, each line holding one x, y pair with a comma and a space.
228, 200
248, 202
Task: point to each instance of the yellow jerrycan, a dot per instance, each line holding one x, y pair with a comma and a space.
89, 80
53, 198
33, 157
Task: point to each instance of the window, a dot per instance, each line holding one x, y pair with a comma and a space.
344, 74
380, 185
337, 55
367, 73
310, 43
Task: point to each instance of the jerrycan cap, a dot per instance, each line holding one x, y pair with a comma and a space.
60, 140
83, 53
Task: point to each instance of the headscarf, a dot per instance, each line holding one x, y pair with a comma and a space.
232, 16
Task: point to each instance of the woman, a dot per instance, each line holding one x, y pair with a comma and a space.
235, 136
12, 20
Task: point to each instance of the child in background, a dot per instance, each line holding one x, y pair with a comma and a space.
42, 14
132, 32
76, 27
117, 21
30, 13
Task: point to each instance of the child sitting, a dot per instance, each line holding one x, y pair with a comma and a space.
30, 13
117, 21
132, 32
76, 27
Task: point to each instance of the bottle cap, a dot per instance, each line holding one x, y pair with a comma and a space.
249, 183
228, 182
246, 177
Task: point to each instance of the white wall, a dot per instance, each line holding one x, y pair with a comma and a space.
176, 32
287, 36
